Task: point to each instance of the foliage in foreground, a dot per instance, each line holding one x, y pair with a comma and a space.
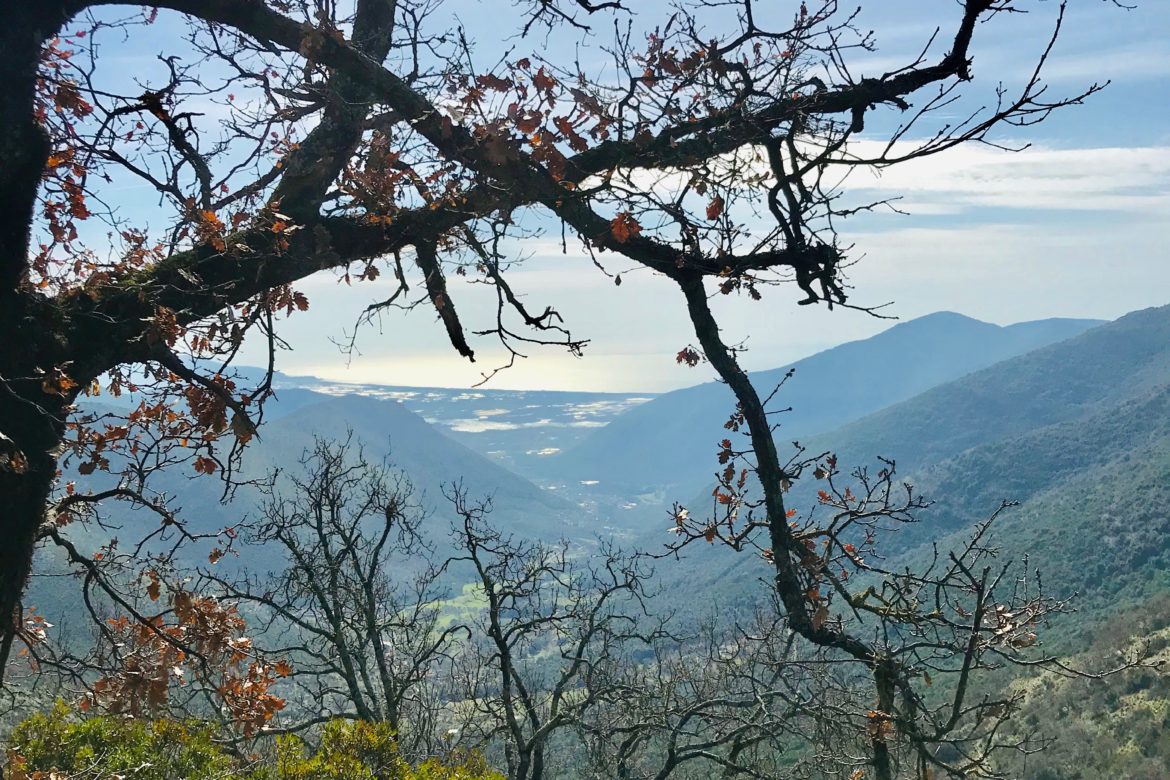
111, 746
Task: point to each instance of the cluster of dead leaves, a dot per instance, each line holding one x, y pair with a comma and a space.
198, 640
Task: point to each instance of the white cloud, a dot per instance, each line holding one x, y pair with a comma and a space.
1006, 273
1112, 178
1132, 180
479, 426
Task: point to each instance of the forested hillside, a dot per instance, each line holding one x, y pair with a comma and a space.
1102, 727
1073, 431
669, 443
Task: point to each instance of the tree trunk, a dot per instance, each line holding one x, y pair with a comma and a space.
31, 421
24, 145
34, 430
883, 676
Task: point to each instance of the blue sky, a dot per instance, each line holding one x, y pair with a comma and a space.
1075, 226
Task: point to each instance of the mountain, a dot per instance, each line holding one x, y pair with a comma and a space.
386, 430
1093, 511
383, 428
1069, 380
431, 459
669, 443
436, 436
1077, 432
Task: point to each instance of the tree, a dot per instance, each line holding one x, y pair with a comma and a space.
414, 154
356, 608
740, 697
534, 667
559, 661
950, 620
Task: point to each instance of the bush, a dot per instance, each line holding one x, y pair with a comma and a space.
368, 751
363, 751
106, 747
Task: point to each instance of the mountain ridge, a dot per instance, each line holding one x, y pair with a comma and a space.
1072, 431
677, 432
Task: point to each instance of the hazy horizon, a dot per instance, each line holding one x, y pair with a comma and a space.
698, 375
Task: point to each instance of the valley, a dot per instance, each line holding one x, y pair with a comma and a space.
1068, 419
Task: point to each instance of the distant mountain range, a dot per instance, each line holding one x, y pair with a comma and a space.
1078, 432
1064, 381
499, 441
1069, 418
669, 444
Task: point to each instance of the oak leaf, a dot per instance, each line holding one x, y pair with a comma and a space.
715, 208
624, 227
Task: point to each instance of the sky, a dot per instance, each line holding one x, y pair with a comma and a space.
1073, 226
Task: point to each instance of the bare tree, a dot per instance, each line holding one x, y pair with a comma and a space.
553, 622
741, 697
570, 672
959, 614
355, 608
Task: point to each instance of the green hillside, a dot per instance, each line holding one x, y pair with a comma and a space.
1094, 513
669, 443
1077, 432
1115, 727
1069, 380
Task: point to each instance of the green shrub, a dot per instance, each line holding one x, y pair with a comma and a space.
106, 747
368, 751
362, 751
